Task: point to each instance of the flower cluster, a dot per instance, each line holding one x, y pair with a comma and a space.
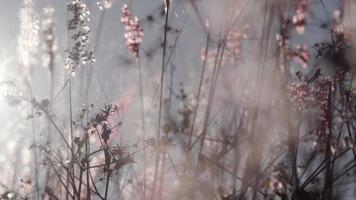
102, 117
115, 159
318, 95
322, 94
161, 145
301, 94
78, 26
297, 21
234, 41
300, 54
299, 18
305, 94
134, 31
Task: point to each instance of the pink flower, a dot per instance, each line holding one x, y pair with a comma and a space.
301, 94
134, 31
299, 18
234, 39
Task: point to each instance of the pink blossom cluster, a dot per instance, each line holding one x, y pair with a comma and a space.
318, 95
299, 18
322, 92
134, 31
301, 94
300, 54
297, 21
234, 41
305, 94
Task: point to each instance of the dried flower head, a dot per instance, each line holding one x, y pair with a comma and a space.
79, 27
301, 94
163, 144
234, 39
134, 31
299, 18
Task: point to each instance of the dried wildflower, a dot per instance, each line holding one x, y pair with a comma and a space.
317, 95
79, 26
301, 94
103, 115
322, 90
119, 163
305, 94
105, 134
299, 18
334, 48
134, 31
103, 171
163, 144
28, 39
118, 151
151, 141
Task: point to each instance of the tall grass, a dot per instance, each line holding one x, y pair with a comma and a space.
208, 100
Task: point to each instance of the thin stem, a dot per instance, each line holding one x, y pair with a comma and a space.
160, 103
143, 123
